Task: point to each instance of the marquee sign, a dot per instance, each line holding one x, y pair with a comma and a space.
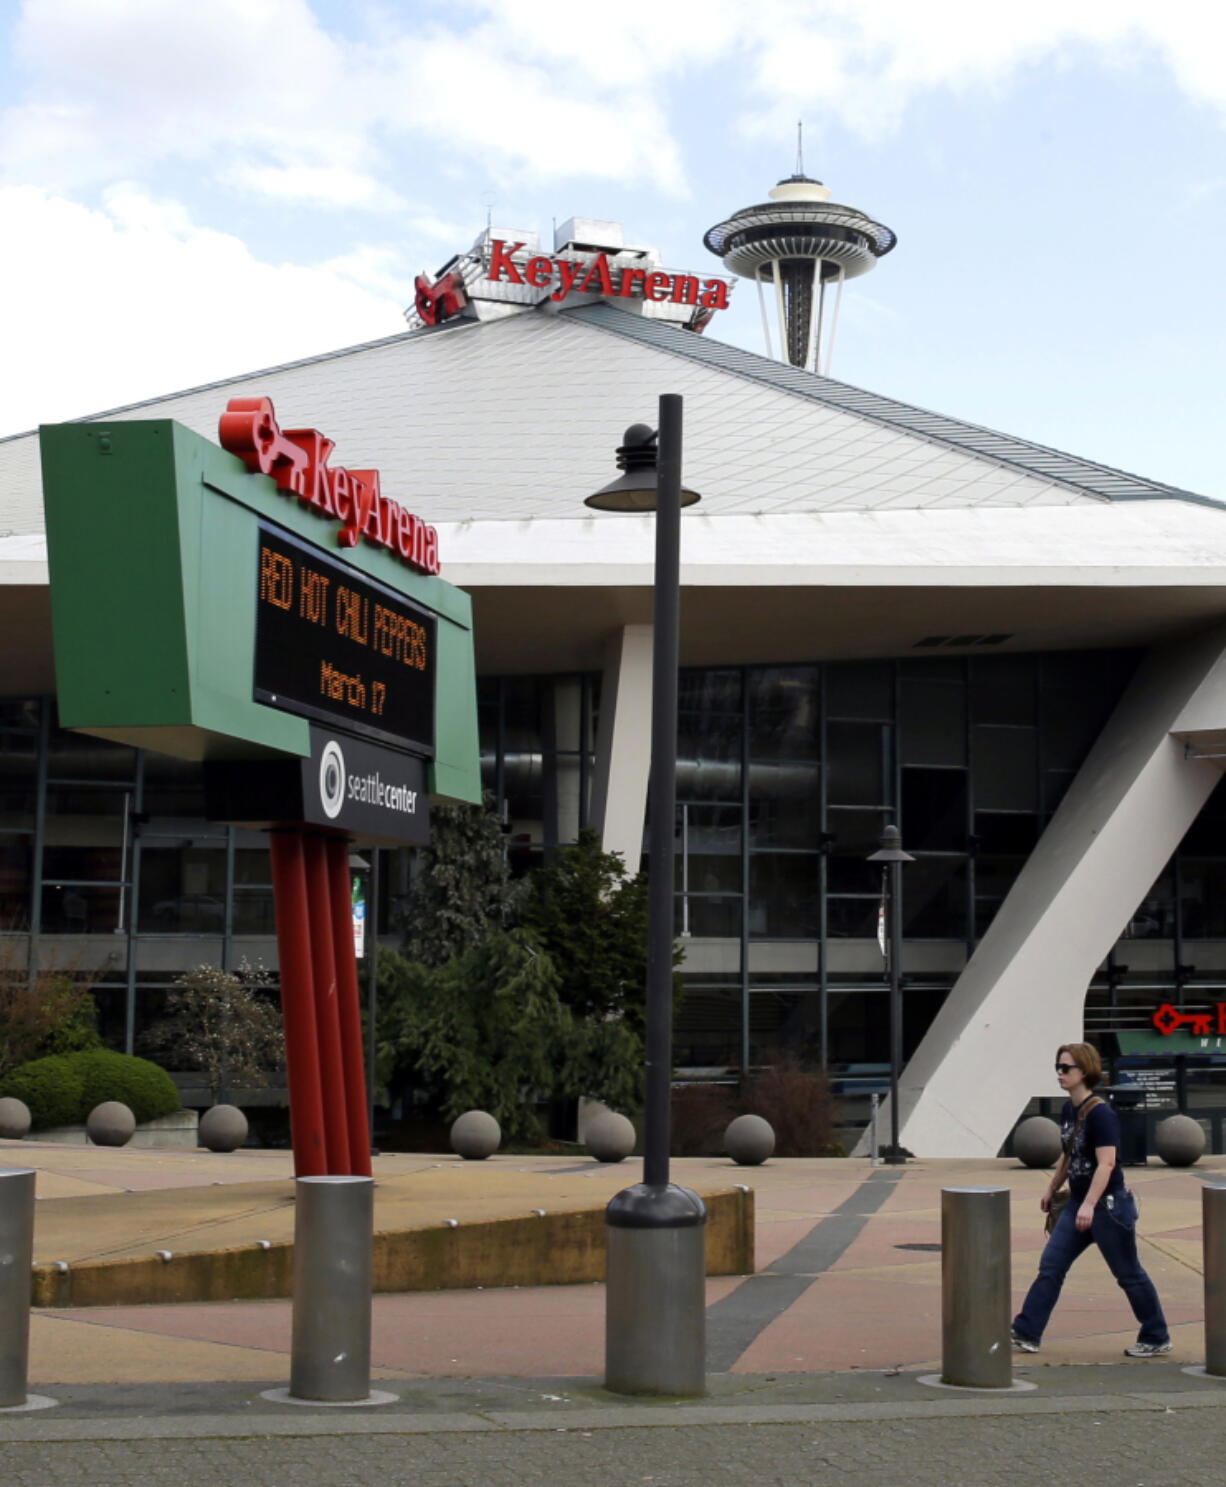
297, 460
597, 276
335, 646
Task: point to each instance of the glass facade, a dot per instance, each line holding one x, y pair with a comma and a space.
786, 776
109, 869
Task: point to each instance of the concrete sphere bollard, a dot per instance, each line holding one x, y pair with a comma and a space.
1036, 1142
223, 1128
110, 1124
14, 1119
610, 1137
1180, 1141
749, 1140
475, 1135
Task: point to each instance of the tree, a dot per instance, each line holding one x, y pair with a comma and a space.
591, 917
464, 890
222, 1023
484, 1031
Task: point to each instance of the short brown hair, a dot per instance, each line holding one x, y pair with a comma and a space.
1085, 1056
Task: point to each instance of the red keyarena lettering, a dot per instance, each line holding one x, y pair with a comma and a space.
569, 270
297, 461
538, 272
715, 295
685, 290
500, 262
599, 270
594, 276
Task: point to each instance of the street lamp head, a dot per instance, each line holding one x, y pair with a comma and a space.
891, 847
635, 489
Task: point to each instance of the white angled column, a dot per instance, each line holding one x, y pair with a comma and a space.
623, 745
990, 1047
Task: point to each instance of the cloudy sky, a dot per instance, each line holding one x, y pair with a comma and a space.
189, 192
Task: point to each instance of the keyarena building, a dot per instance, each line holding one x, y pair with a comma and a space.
888, 615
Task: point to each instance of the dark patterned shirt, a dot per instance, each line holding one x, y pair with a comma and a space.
1101, 1127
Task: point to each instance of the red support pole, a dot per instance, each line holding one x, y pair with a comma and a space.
345, 957
298, 1004
327, 1014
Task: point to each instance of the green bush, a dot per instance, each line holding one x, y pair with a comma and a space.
63, 1089
51, 1089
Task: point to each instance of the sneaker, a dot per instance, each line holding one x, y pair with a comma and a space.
1027, 1344
1147, 1349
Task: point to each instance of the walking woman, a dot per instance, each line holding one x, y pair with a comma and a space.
1100, 1210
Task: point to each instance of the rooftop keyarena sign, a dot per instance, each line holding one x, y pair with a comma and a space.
596, 276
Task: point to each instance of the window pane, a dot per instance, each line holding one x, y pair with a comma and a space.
856, 835
78, 756
18, 779
852, 918
182, 890
863, 689
1004, 769
932, 727
785, 805
93, 864
708, 757
783, 895
16, 854
934, 899
934, 809
709, 848
173, 787
783, 712
711, 918
1003, 689
709, 691
75, 910
857, 754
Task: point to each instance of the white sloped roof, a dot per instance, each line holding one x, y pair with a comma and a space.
517, 419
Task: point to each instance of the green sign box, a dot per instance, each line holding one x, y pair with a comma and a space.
153, 548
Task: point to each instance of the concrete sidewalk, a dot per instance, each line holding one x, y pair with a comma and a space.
848, 1268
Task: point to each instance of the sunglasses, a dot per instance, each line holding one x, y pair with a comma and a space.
1065, 1068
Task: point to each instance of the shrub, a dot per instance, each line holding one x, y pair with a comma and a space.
798, 1103
225, 1023
50, 1087
700, 1116
61, 1090
144, 1088
43, 1013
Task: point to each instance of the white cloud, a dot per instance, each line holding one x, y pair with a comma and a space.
327, 187
134, 300
260, 95
864, 63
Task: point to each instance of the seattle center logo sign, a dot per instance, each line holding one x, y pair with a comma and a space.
332, 779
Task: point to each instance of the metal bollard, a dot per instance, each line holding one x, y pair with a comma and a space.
656, 1305
873, 1107
1213, 1232
976, 1351
16, 1259
333, 1232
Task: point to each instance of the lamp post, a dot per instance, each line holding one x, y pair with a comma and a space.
891, 856
655, 1322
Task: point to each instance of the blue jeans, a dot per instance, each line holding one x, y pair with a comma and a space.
1114, 1231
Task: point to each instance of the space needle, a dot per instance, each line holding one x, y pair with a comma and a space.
801, 244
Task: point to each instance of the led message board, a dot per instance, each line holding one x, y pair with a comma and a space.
337, 647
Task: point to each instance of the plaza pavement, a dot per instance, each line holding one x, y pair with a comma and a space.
815, 1361
847, 1279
